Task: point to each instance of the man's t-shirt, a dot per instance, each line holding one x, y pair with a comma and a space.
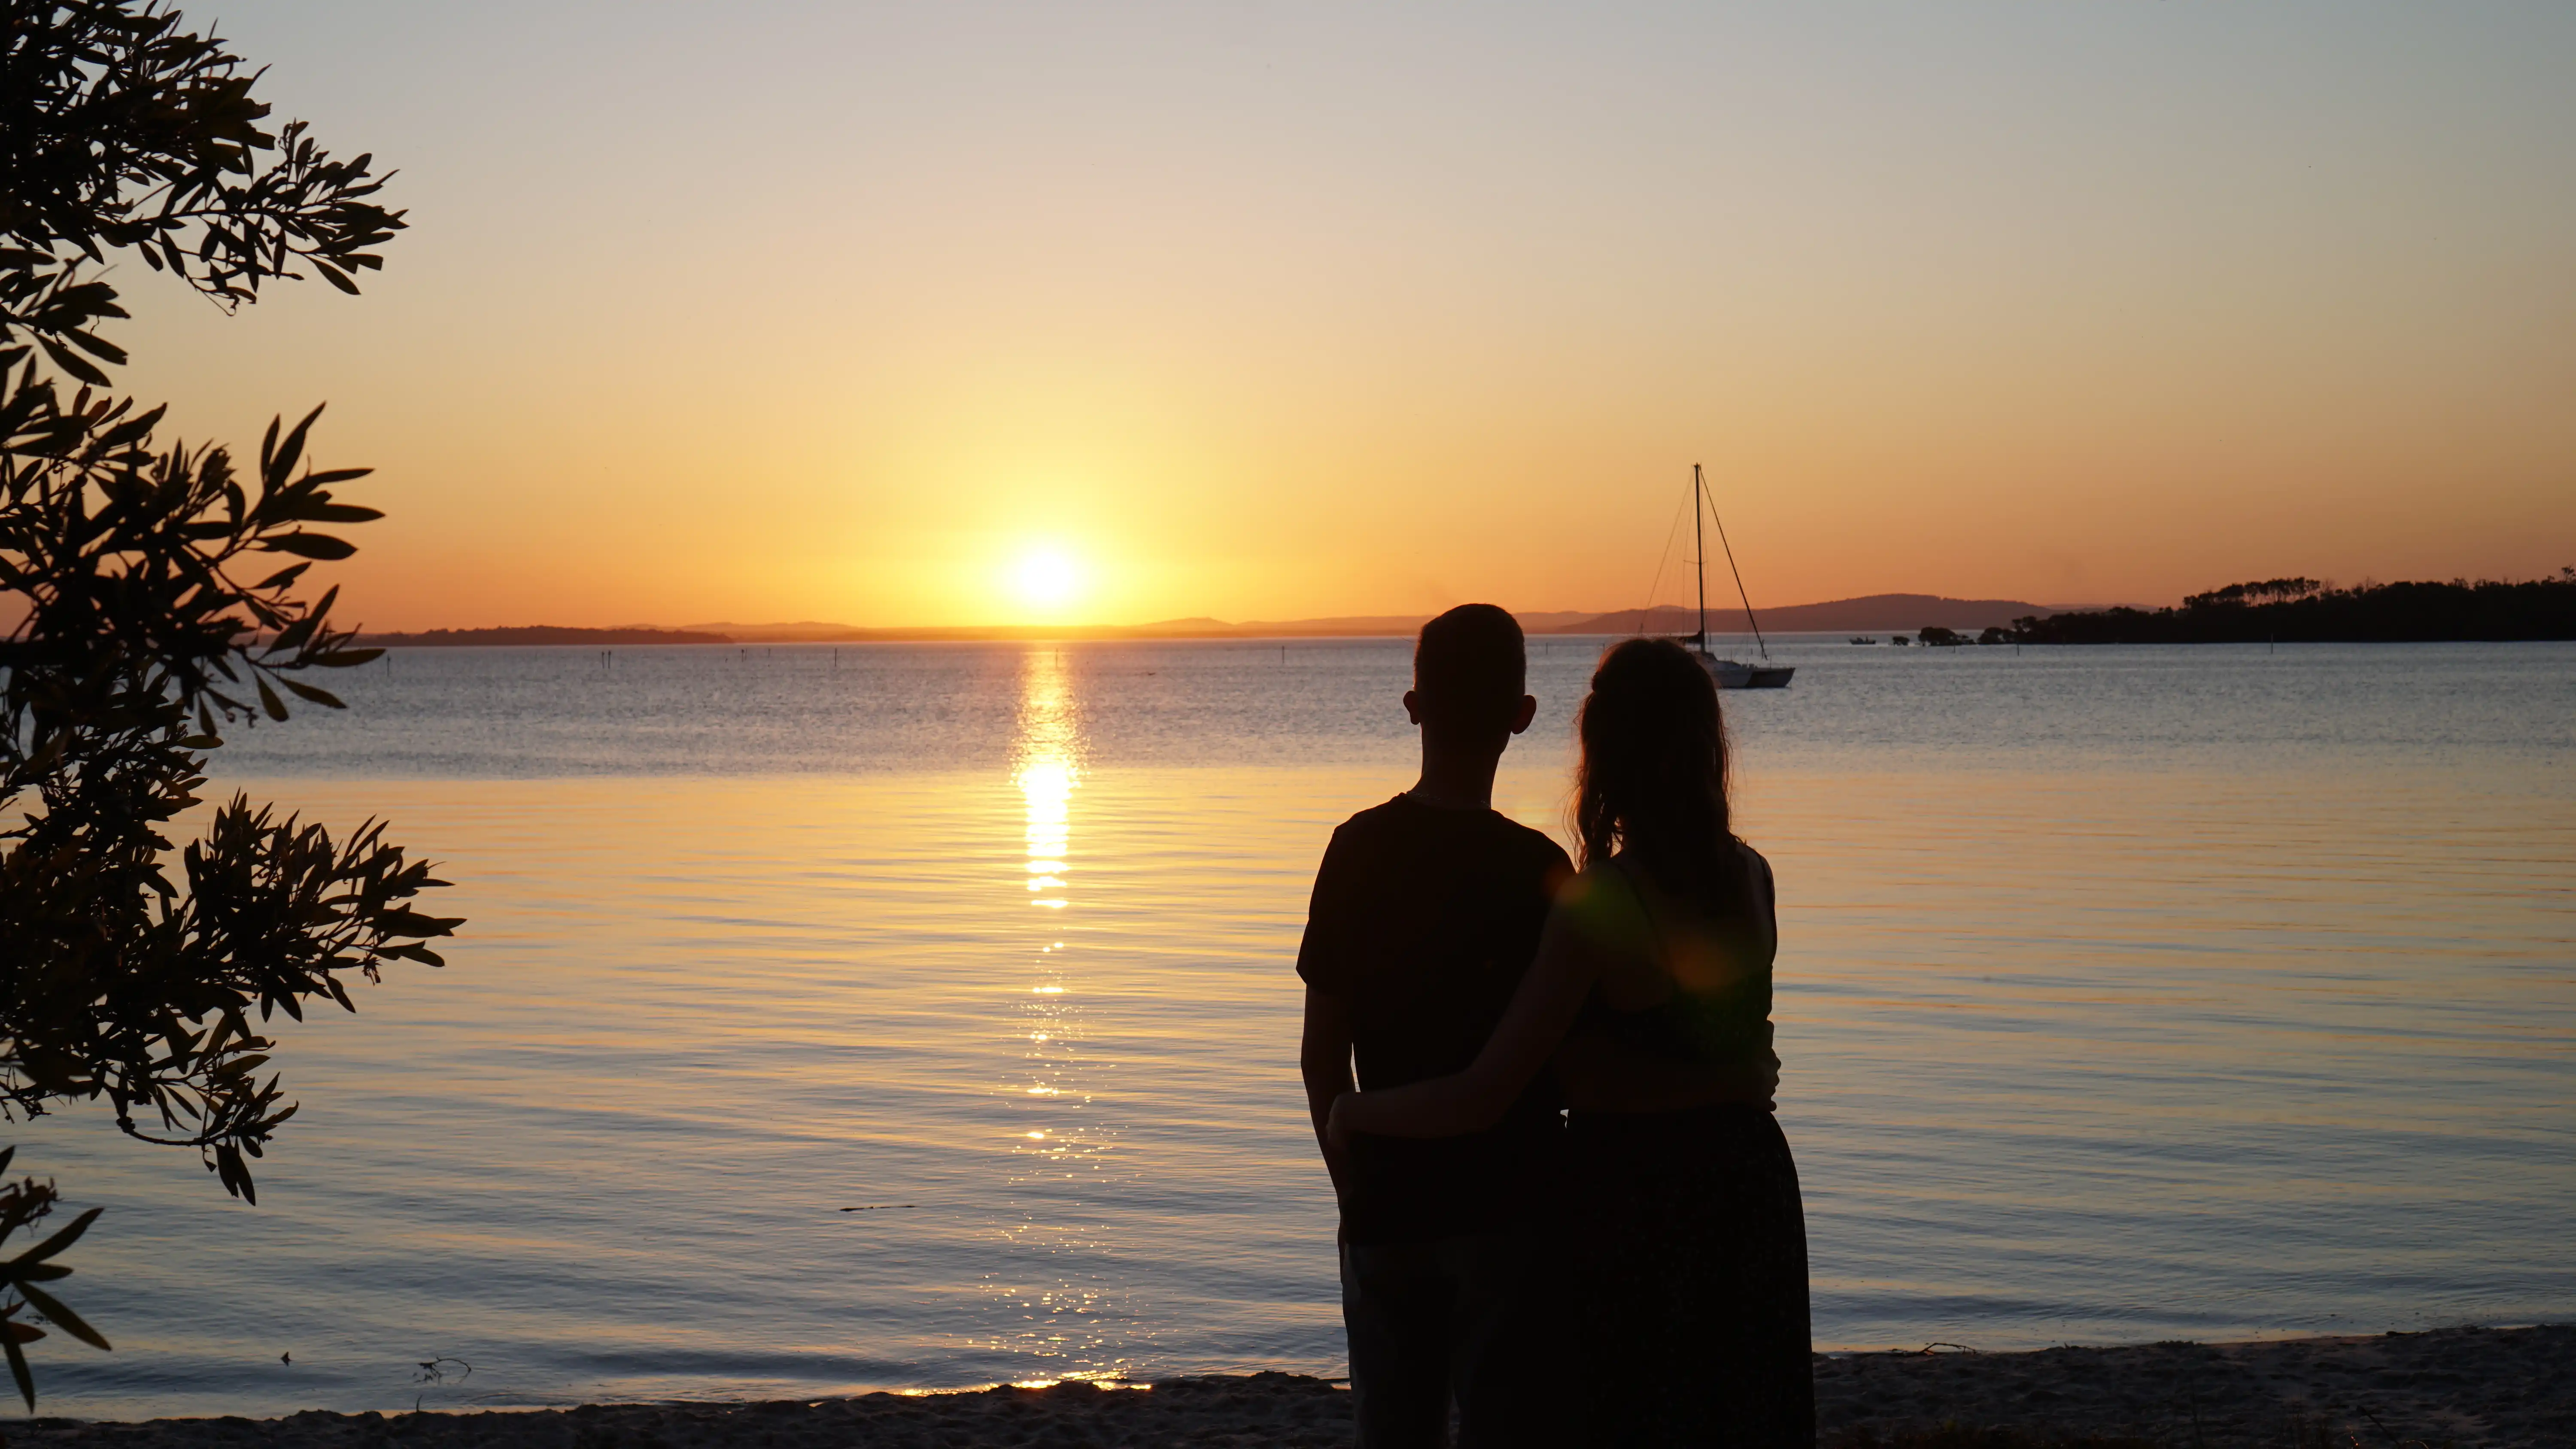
1424, 921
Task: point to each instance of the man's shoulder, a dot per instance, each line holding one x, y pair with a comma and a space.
1488, 832
1370, 830
1383, 816
1528, 837
1532, 850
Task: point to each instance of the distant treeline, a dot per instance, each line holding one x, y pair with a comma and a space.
542, 634
2303, 610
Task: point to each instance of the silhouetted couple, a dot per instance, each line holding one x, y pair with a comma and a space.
1566, 1208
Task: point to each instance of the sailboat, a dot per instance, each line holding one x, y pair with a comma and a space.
1727, 672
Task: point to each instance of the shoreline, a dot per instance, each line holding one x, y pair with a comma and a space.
2497, 1388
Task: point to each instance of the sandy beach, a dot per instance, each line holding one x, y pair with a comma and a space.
2489, 1388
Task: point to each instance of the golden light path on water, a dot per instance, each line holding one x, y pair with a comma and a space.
1047, 771
1056, 1144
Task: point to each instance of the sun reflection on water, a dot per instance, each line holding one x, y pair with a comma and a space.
1048, 769
1057, 1154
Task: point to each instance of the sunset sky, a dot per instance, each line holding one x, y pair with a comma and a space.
947, 314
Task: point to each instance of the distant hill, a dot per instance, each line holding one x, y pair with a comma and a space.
1871, 612
539, 634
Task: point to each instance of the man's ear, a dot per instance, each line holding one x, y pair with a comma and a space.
1527, 711
1413, 706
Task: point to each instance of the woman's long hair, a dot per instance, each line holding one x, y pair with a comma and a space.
1653, 779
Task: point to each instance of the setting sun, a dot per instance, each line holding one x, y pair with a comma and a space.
1047, 577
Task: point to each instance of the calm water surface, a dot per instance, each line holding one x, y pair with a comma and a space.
2124, 994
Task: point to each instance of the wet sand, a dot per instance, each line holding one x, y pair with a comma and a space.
2491, 1388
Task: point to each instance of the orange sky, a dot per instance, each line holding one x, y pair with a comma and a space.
834, 312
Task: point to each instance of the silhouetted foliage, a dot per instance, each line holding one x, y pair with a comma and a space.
2305, 611
2268, 591
1940, 638
156, 601
118, 129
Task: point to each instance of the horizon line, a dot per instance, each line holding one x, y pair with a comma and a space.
1793, 618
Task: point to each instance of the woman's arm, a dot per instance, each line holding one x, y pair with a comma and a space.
1603, 1074
1545, 1006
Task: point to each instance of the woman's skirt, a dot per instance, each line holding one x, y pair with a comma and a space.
1687, 1247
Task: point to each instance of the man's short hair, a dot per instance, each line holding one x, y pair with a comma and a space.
1471, 667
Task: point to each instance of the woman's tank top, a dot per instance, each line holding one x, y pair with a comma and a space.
1719, 1012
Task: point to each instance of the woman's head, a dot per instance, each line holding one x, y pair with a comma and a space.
1653, 777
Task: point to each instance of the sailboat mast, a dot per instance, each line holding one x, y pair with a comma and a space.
1699, 550
1739, 578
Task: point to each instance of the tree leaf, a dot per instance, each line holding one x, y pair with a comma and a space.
277, 465
337, 513
70, 361
98, 347
294, 634
310, 545
321, 697
18, 1369
70, 1234
61, 1317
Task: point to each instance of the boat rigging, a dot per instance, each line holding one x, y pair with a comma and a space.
1728, 673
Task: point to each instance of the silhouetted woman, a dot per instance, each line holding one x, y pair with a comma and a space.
1686, 1245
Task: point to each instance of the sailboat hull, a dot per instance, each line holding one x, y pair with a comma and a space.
1731, 675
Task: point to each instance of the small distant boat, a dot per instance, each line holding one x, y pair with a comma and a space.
1728, 673
1862, 639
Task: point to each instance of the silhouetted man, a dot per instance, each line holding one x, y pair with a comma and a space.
1426, 913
